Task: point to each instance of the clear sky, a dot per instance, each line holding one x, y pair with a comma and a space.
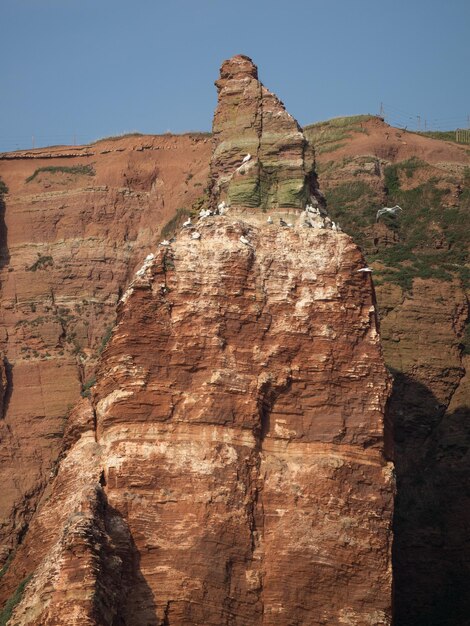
93, 68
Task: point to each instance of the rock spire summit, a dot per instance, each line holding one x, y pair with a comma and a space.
250, 120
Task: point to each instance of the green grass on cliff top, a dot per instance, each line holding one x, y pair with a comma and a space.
76, 170
326, 136
340, 122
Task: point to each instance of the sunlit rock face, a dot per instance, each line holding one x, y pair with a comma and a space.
229, 466
251, 123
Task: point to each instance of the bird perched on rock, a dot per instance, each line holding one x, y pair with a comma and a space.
365, 270
245, 241
149, 257
187, 223
282, 222
221, 206
196, 235
203, 213
246, 159
165, 242
270, 220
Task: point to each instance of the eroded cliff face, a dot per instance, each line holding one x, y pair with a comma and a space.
239, 412
73, 226
229, 468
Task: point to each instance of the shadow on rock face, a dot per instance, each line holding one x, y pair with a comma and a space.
136, 603
431, 552
4, 251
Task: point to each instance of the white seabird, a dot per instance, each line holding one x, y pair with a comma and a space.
392, 210
270, 220
247, 158
165, 242
187, 223
196, 235
245, 241
366, 270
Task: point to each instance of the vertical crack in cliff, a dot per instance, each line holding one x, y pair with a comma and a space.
260, 112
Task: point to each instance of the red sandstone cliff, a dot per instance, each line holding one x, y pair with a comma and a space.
72, 237
230, 467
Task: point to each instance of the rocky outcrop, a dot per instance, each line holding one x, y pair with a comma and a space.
239, 412
233, 455
251, 123
422, 333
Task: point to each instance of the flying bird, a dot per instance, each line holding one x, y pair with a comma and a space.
392, 210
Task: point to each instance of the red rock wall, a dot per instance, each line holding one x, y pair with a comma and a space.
239, 419
231, 467
70, 243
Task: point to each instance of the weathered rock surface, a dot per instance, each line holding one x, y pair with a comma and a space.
70, 240
250, 122
422, 333
231, 469
239, 419
244, 413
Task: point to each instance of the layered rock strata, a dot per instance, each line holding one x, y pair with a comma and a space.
230, 468
239, 428
261, 157
73, 227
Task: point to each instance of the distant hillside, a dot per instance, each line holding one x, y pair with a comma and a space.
421, 273
364, 164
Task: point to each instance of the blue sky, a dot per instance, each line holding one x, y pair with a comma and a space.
93, 68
